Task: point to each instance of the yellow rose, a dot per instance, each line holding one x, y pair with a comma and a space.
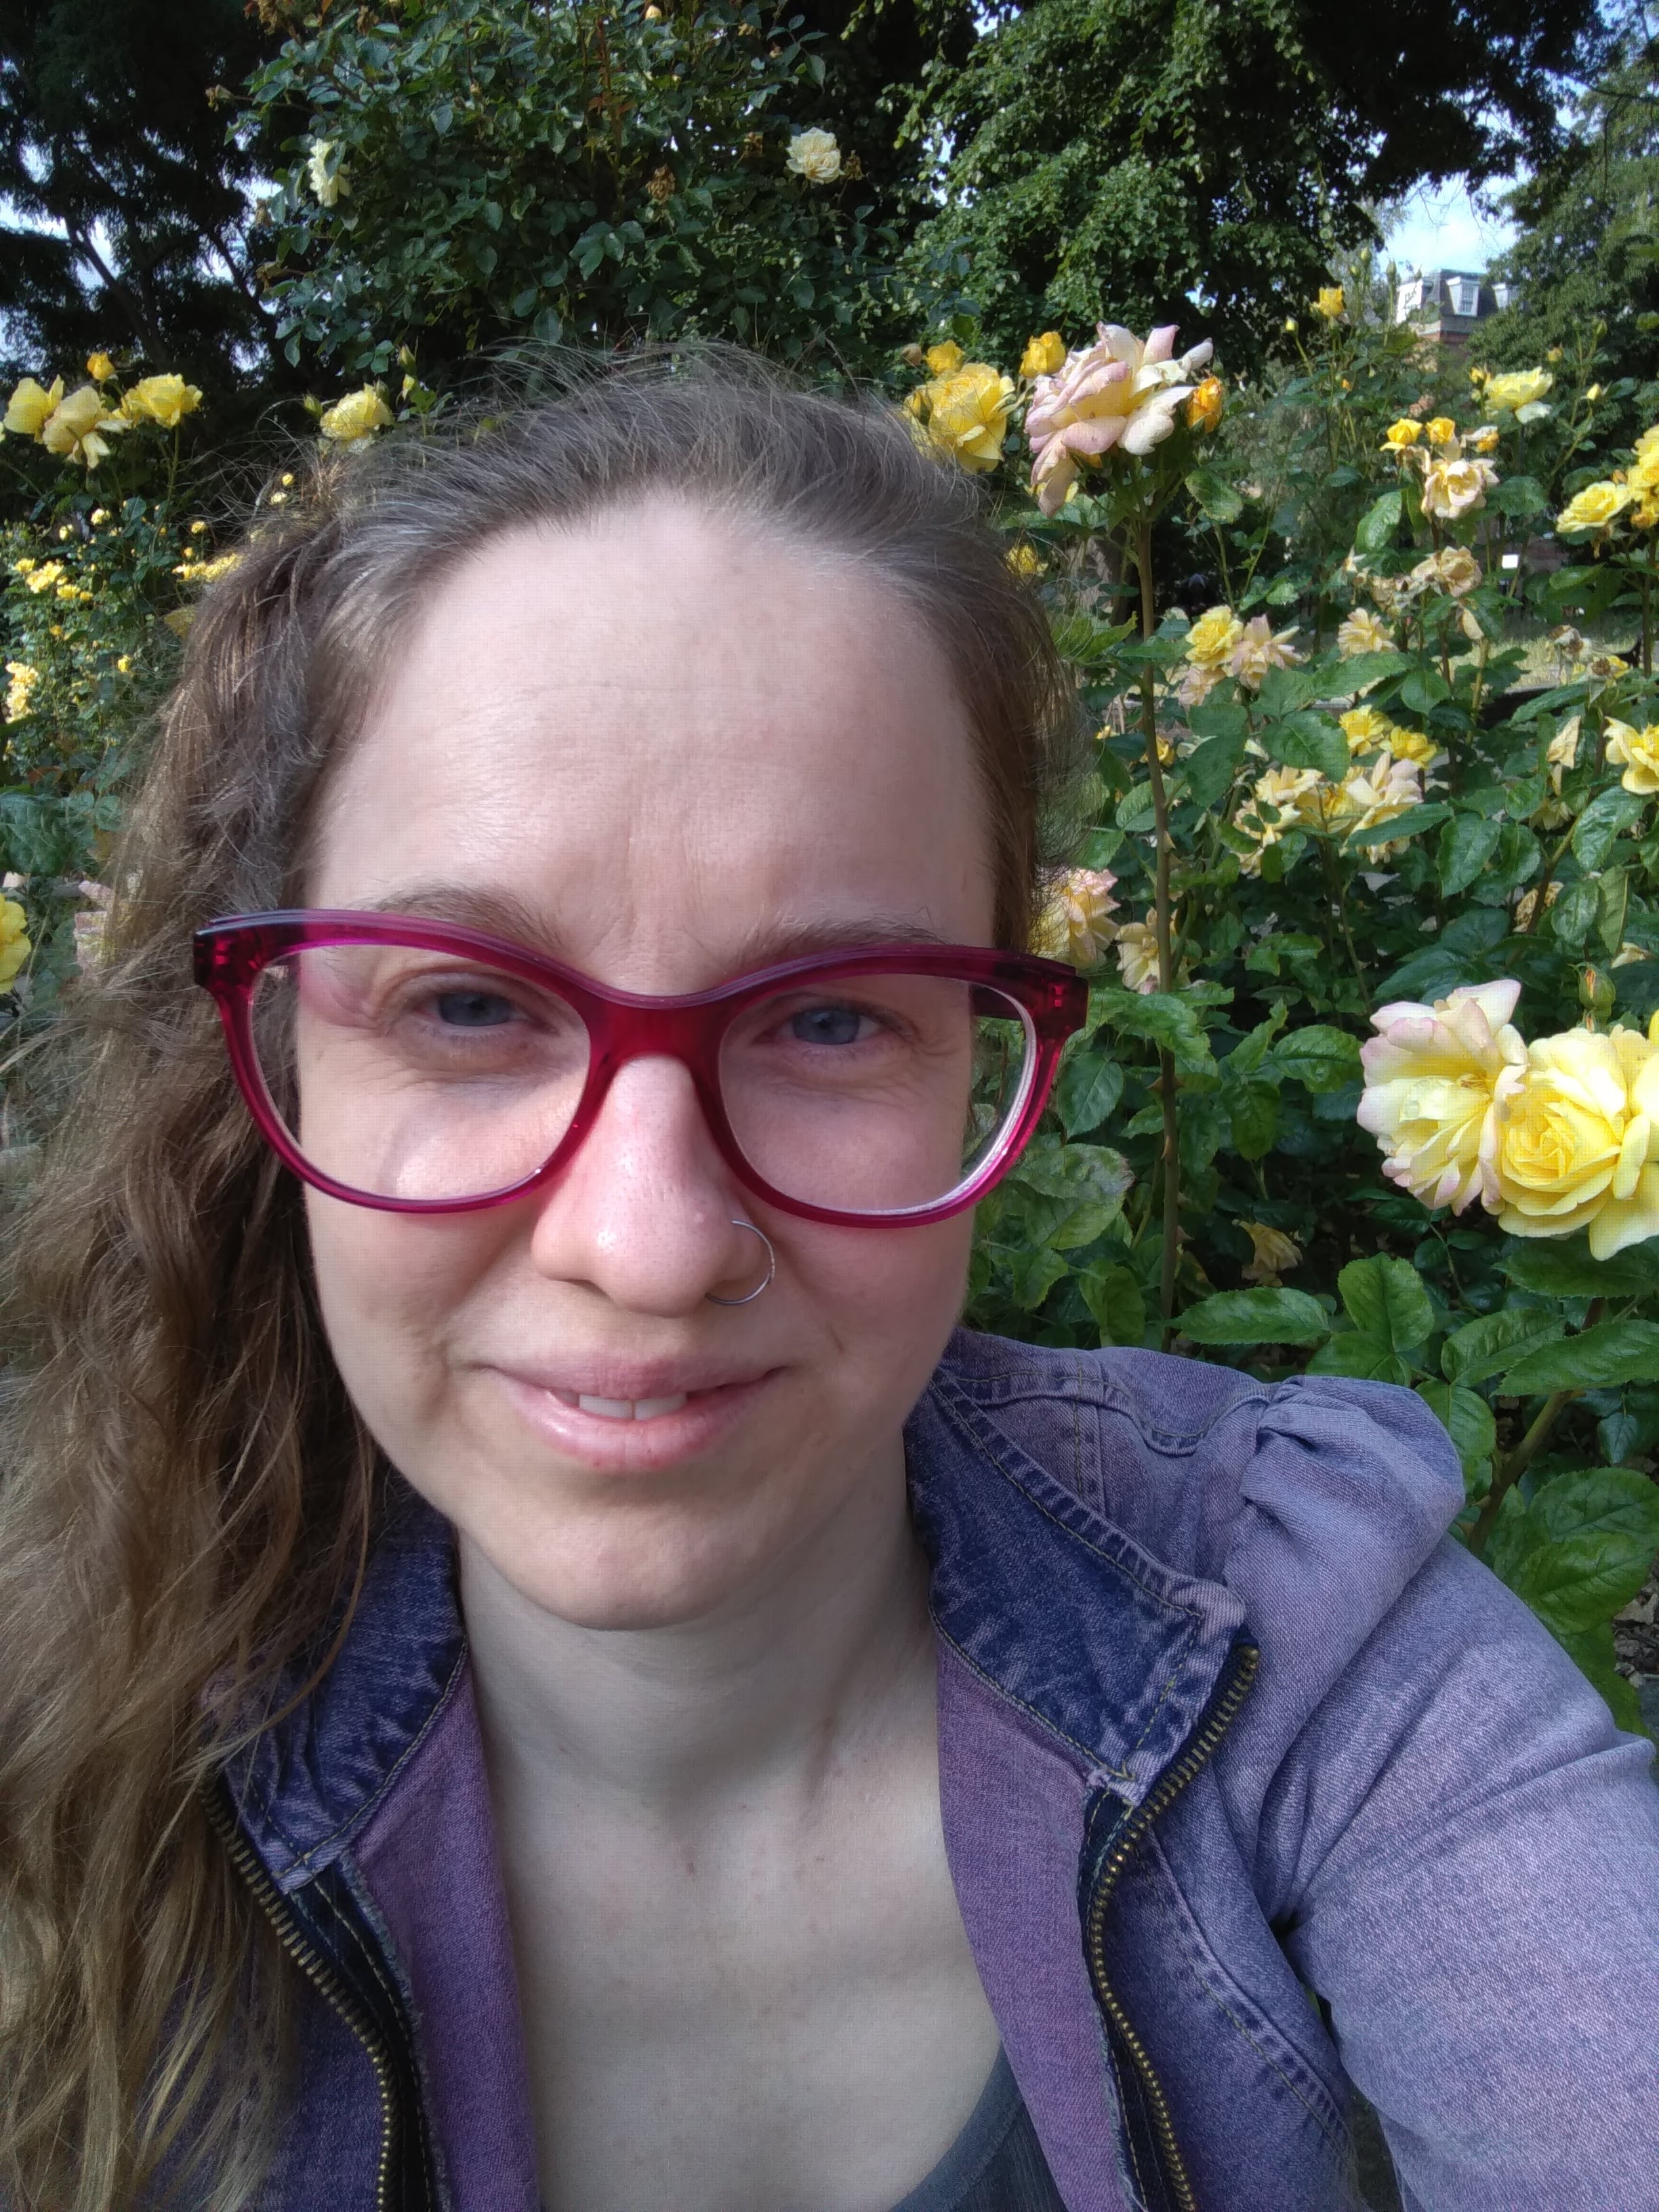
71, 430
14, 946
163, 399
815, 155
1214, 636
1042, 355
1453, 569
325, 172
1361, 632
21, 681
1412, 745
353, 421
945, 358
1637, 752
29, 406
43, 575
1204, 408
1432, 1074
1366, 730
100, 367
968, 415
1451, 488
1137, 955
1643, 475
1274, 1252
1521, 388
1075, 925
1485, 440
1596, 508
1258, 648
1330, 303
1578, 1120
1441, 431
1401, 435
1291, 796
1025, 560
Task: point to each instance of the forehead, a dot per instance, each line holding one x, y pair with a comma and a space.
665, 736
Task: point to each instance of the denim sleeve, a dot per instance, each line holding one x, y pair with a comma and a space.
1460, 1856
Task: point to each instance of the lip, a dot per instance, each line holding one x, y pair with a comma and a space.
712, 1407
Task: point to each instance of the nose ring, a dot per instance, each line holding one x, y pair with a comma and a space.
748, 1296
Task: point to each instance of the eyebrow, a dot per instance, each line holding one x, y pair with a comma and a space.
501, 914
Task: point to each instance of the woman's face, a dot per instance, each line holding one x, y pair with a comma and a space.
673, 750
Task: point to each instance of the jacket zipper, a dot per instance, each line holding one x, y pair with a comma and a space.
1197, 1753
304, 1955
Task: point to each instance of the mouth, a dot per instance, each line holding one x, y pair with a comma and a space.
624, 1409
636, 1423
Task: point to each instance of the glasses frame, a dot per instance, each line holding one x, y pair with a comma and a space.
231, 954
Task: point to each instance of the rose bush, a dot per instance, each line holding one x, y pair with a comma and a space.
1367, 1084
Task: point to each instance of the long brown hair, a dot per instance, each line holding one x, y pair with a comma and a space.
188, 1496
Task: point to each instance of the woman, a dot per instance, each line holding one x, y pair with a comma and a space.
537, 1668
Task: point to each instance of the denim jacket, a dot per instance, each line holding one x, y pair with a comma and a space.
1255, 1785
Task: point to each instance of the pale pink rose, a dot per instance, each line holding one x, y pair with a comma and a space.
1121, 391
1433, 1076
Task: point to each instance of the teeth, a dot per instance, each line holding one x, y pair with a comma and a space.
630, 1409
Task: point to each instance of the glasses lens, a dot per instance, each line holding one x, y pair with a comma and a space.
410, 1074
875, 1094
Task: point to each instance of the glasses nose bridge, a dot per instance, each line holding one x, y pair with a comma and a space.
685, 1034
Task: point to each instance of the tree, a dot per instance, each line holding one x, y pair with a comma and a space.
474, 170
1588, 250
125, 217
1139, 163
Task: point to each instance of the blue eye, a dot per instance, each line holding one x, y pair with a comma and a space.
827, 1025
471, 1009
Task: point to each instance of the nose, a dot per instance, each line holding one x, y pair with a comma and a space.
644, 1212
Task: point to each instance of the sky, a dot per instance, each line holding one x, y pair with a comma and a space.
1443, 229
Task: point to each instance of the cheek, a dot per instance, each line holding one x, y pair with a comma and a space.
390, 1289
893, 1294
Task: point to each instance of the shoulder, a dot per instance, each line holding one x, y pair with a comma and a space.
1202, 1464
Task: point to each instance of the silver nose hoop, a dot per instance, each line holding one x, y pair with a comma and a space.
748, 1296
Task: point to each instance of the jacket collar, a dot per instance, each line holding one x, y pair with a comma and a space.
1111, 1654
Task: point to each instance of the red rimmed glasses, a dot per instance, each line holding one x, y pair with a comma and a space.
400, 1063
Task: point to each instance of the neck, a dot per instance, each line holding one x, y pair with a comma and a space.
772, 1687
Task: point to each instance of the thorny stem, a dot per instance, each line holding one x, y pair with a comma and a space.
1339, 903
1504, 1479
1166, 971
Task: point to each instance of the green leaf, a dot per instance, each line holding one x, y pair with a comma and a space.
1136, 813
1601, 1501
1519, 496
1214, 496
1323, 1058
1253, 1116
1385, 1298
1605, 818
1581, 1582
1303, 740
1090, 1086
1614, 908
1570, 920
1563, 1269
1494, 1342
1423, 691
1379, 523
1114, 1298
1412, 824
1467, 844
1209, 719
1212, 768
1357, 1353
1466, 1419
1365, 669
1277, 1316
1595, 1359
1164, 1017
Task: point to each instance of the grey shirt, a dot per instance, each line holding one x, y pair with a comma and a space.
995, 2165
